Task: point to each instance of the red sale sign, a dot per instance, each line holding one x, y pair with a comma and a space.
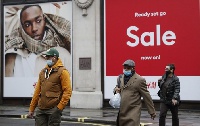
153, 33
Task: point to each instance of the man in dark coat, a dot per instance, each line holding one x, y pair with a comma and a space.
169, 95
132, 87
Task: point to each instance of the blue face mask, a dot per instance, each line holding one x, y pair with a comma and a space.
49, 62
127, 72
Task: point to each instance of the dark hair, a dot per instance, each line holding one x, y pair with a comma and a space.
27, 6
171, 66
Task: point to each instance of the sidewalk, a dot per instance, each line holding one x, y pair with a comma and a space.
105, 115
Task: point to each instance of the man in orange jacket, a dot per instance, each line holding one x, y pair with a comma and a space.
52, 92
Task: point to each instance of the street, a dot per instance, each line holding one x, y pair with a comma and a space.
15, 116
5, 121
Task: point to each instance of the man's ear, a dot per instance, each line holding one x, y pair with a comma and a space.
55, 57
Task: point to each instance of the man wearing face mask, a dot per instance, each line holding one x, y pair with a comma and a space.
52, 92
169, 95
132, 87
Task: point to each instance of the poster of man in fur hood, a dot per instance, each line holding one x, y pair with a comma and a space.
29, 31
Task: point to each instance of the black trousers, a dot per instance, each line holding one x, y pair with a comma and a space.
163, 112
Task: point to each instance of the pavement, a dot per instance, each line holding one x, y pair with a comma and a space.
187, 117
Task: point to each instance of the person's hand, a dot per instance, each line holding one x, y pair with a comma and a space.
117, 90
174, 102
153, 116
30, 114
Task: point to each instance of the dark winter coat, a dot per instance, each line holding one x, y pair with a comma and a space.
172, 90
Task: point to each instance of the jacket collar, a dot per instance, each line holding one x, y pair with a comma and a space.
131, 80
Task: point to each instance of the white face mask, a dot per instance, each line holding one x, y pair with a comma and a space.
49, 62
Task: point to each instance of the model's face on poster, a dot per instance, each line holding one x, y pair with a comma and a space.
33, 22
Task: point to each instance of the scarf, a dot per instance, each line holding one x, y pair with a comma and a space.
58, 33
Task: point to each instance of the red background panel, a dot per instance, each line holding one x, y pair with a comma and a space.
182, 18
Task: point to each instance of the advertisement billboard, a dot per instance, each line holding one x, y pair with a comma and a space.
153, 34
29, 31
